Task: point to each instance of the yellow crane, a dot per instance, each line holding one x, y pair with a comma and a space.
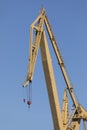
62, 120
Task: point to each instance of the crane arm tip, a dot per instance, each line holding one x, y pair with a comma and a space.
26, 84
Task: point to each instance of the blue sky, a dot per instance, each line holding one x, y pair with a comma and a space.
69, 23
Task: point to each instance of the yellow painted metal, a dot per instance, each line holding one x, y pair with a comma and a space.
60, 61
37, 26
65, 112
51, 85
84, 122
75, 124
61, 120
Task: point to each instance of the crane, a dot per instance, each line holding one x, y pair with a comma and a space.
62, 120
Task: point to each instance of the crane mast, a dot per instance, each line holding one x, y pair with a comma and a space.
61, 119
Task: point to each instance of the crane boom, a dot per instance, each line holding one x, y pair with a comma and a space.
59, 58
51, 85
61, 120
